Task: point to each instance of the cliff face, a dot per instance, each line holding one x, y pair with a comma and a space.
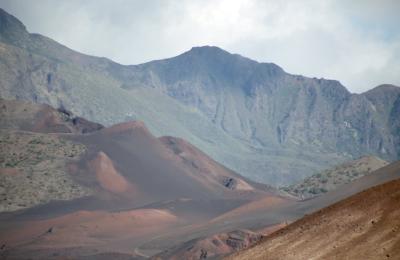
260, 103
253, 117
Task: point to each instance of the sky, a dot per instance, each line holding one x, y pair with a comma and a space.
356, 42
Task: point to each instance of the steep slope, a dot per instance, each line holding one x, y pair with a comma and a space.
252, 117
330, 179
364, 226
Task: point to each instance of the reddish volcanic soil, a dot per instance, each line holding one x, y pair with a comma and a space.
364, 226
84, 228
211, 247
107, 175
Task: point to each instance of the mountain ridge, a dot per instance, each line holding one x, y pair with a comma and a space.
9, 19
252, 117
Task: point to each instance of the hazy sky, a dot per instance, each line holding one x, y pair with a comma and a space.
356, 42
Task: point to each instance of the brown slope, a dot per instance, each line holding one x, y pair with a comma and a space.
364, 226
217, 245
84, 233
41, 118
211, 247
156, 171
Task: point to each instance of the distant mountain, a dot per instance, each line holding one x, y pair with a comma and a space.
330, 179
252, 117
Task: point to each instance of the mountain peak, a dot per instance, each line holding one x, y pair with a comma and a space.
221, 56
386, 92
207, 49
211, 66
384, 87
10, 22
11, 28
212, 53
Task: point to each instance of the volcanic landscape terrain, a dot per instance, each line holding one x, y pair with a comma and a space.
121, 192
204, 155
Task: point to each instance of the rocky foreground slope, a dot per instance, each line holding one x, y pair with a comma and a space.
364, 226
252, 117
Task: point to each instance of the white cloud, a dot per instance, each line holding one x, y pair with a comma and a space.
357, 43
